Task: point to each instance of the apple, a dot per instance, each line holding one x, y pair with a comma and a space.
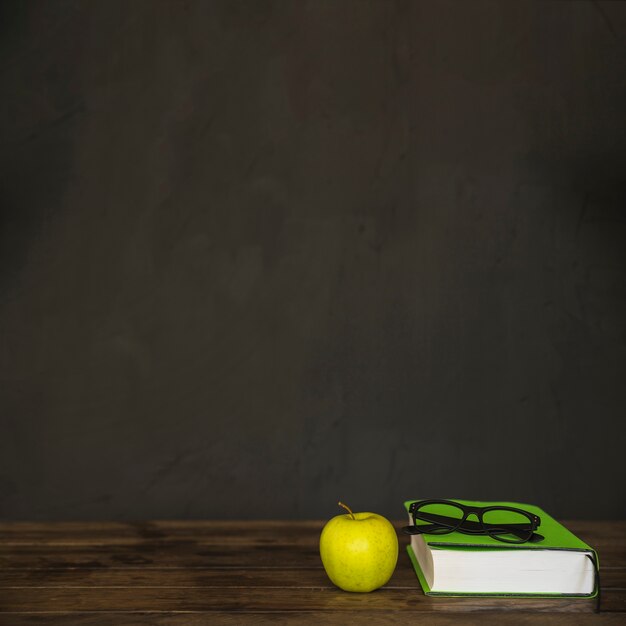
359, 550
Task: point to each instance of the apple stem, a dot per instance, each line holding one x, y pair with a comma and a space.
347, 508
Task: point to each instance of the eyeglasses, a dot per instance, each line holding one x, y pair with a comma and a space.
504, 523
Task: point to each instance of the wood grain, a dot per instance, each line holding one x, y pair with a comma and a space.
285, 532
315, 577
190, 618
226, 571
252, 599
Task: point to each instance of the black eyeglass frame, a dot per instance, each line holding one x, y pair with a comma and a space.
443, 525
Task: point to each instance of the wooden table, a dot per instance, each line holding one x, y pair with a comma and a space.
171, 573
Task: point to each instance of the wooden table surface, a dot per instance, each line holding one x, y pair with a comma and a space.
170, 573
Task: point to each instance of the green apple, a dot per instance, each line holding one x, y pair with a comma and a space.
359, 550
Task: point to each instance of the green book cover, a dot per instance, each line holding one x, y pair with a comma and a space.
556, 537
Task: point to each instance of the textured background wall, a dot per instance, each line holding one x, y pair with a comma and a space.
256, 256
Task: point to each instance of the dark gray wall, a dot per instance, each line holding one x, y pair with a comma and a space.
258, 256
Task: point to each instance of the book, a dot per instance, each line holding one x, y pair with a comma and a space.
458, 564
